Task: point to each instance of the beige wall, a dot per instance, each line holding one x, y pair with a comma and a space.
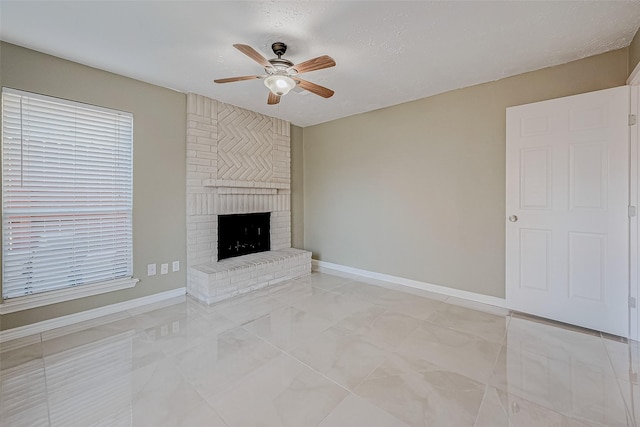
634, 52
297, 188
159, 166
415, 190
418, 190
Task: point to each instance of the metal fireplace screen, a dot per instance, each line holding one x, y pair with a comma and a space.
243, 234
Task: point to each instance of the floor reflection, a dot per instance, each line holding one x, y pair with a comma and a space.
23, 395
563, 371
320, 351
91, 385
81, 386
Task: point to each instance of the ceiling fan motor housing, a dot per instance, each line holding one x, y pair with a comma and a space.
280, 65
279, 48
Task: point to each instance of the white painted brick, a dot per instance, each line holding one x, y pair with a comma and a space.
202, 247
198, 147
206, 239
199, 161
248, 283
265, 278
243, 196
207, 155
202, 126
200, 105
198, 132
242, 276
197, 118
228, 292
203, 259
208, 169
221, 283
209, 140
281, 273
197, 176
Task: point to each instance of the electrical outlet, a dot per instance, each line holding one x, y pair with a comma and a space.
151, 269
176, 266
164, 268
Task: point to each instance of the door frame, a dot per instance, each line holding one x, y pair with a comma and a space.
634, 187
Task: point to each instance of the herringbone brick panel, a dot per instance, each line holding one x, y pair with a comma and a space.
244, 145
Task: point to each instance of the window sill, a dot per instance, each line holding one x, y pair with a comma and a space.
53, 297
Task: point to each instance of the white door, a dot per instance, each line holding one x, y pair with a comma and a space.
567, 230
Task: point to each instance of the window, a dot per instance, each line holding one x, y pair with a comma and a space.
66, 197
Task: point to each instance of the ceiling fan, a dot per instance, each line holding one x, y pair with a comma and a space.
282, 74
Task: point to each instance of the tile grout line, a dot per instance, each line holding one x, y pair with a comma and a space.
285, 352
630, 413
503, 345
484, 396
46, 385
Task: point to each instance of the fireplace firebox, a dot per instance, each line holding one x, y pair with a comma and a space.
243, 234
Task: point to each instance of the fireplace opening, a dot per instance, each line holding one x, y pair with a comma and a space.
243, 234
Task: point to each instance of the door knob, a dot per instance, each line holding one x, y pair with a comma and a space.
513, 218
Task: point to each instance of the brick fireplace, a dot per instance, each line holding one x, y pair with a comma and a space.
238, 162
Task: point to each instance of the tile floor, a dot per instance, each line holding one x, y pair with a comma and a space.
320, 351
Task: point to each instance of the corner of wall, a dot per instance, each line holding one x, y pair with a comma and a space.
633, 55
297, 187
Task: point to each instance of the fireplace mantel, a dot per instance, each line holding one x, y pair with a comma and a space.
216, 183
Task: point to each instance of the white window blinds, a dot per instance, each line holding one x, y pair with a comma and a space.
66, 194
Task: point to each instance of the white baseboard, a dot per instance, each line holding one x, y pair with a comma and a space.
328, 267
58, 322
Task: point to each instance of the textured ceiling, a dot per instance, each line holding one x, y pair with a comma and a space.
387, 52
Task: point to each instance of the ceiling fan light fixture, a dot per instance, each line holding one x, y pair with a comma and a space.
281, 74
279, 85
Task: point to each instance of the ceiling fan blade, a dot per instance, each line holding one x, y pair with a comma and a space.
236, 79
314, 88
273, 99
253, 54
314, 64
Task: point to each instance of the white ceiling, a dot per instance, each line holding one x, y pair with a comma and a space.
387, 52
